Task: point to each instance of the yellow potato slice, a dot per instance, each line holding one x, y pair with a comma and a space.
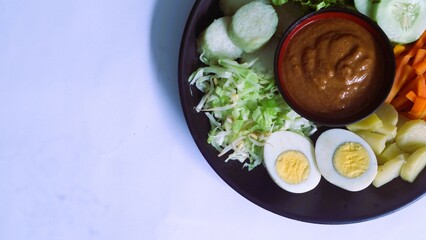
388, 114
415, 163
401, 120
388, 130
370, 123
391, 151
411, 136
376, 141
389, 171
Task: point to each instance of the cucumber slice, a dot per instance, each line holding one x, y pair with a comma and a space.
214, 42
363, 6
403, 21
253, 25
367, 7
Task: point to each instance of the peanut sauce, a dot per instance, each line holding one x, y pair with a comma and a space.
332, 66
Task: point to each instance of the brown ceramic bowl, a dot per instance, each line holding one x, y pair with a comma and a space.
330, 73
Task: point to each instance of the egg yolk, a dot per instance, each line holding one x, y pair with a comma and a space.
292, 167
351, 160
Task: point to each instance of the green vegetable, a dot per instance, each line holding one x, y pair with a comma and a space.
318, 4
367, 7
243, 107
253, 25
403, 21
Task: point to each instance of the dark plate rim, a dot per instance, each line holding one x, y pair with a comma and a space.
183, 86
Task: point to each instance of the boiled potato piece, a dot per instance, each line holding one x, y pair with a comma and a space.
391, 151
370, 123
411, 136
401, 120
376, 141
389, 171
388, 114
414, 165
388, 130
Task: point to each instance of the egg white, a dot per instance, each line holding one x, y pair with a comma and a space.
281, 141
327, 143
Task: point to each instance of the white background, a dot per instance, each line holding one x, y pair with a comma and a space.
93, 143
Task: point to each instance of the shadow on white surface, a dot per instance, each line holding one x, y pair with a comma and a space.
167, 27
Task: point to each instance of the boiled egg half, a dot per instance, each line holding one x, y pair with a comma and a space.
289, 159
345, 159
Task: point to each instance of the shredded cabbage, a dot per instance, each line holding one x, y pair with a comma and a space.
318, 4
244, 107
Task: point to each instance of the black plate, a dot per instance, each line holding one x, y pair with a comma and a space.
325, 204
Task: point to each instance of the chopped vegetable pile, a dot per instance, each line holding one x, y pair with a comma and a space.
408, 94
243, 107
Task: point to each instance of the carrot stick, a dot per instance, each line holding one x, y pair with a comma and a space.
409, 115
421, 86
401, 103
420, 56
408, 93
418, 44
419, 108
411, 96
405, 72
420, 67
409, 86
417, 85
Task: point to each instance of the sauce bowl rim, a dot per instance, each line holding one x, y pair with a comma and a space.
377, 33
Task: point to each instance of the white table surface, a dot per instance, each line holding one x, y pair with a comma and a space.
93, 143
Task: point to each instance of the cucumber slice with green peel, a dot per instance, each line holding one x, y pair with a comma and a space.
253, 25
403, 21
364, 6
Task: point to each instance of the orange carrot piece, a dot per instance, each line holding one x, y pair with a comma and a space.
398, 49
417, 85
421, 86
405, 73
411, 96
420, 56
409, 86
417, 45
401, 103
419, 108
409, 115
408, 93
420, 67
